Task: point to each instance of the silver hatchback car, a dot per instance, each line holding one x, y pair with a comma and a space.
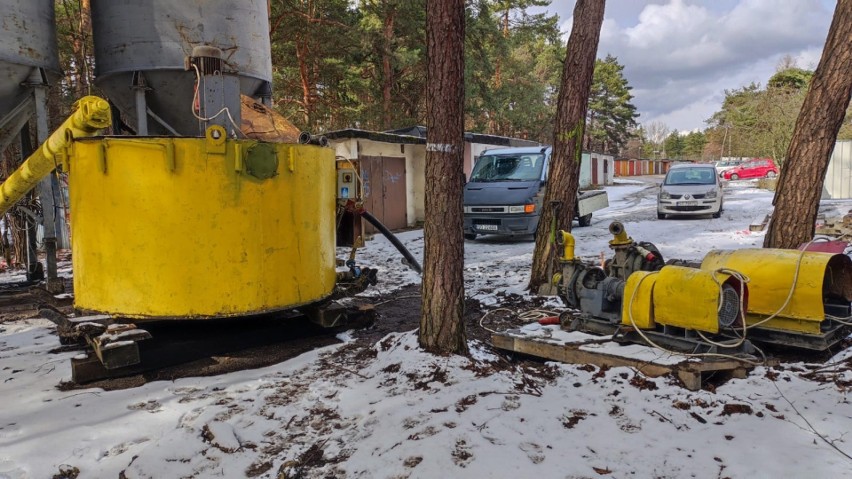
691, 189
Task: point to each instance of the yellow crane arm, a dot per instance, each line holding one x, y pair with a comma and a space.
91, 115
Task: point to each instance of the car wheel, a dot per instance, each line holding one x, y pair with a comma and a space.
585, 220
660, 216
735, 177
770, 174
718, 214
470, 236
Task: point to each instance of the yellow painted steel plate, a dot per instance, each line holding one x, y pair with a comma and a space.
179, 228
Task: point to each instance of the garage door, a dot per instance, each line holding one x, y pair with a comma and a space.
384, 191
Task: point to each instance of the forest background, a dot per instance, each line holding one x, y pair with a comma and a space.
362, 64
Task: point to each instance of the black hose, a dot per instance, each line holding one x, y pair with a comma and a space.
412, 263
318, 140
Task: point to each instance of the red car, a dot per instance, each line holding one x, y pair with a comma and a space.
757, 168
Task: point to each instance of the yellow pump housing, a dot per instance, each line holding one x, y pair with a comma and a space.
688, 298
185, 228
683, 297
771, 273
637, 307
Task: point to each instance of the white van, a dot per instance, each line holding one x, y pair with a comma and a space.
505, 193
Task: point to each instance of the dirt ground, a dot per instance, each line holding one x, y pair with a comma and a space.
279, 340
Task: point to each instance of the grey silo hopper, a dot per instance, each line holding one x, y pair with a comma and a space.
143, 45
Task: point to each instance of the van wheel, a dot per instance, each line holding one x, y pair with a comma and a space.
585, 220
470, 236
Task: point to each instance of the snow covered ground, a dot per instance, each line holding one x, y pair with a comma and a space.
392, 411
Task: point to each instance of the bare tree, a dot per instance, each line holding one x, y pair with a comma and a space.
441, 325
564, 173
800, 185
657, 132
786, 62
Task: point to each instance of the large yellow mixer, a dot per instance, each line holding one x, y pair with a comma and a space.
184, 227
200, 227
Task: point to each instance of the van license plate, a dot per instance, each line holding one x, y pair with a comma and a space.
487, 227
687, 203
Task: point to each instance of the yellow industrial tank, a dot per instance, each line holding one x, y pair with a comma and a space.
184, 228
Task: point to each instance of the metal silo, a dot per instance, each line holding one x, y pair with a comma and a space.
28, 60
28, 43
143, 52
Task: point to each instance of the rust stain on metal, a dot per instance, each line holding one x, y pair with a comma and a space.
31, 52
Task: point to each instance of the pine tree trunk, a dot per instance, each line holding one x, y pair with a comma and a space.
387, 68
84, 55
800, 185
564, 174
498, 69
441, 326
305, 80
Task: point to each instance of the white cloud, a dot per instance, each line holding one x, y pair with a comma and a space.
681, 55
659, 24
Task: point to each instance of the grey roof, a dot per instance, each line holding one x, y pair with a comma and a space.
417, 135
375, 136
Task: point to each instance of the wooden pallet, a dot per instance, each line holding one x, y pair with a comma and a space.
759, 223
690, 372
840, 227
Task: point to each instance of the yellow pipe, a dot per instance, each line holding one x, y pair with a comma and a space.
619, 234
92, 114
566, 240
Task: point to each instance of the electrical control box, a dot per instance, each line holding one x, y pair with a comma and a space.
346, 184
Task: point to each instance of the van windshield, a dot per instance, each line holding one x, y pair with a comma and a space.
524, 167
691, 176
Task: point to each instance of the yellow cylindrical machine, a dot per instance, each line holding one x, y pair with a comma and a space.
771, 273
637, 306
697, 299
189, 228
686, 298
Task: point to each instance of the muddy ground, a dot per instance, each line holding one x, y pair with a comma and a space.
277, 339
214, 348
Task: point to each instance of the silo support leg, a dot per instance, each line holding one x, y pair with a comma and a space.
47, 196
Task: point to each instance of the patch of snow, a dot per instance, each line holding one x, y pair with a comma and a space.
407, 413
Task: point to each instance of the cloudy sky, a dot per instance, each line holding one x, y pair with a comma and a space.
681, 55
